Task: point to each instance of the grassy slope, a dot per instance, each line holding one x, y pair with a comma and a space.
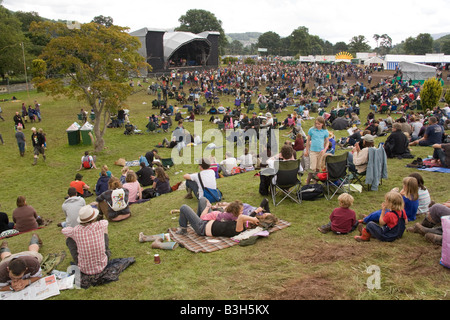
295, 263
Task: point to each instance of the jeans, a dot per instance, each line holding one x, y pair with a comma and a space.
187, 215
439, 154
193, 186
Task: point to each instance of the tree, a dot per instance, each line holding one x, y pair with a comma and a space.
340, 47
97, 61
106, 21
422, 44
271, 41
358, 44
431, 93
300, 41
385, 44
11, 60
197, 21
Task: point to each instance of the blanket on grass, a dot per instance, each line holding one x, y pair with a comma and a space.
14, 232
196, 243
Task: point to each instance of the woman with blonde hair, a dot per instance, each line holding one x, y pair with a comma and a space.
133, 186
391, 223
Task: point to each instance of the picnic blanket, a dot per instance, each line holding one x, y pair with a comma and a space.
14, 232
196, 243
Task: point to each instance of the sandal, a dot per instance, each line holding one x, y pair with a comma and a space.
174, 211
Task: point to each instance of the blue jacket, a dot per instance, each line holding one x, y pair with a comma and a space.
376, 167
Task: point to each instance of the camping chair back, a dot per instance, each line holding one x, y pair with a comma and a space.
287, 172
336, 167
286, 181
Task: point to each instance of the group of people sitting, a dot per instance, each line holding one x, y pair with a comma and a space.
389, 223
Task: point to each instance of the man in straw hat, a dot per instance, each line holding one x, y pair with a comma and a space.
88, 241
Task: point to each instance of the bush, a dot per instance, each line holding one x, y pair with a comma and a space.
431, 93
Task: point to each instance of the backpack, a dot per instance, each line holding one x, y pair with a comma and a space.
86, 163
311, 191
118, 201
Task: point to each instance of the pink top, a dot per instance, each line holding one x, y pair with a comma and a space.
133, 188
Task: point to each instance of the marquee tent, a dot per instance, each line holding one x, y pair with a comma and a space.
416, 71
375, 60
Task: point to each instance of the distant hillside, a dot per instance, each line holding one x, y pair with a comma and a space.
245, 38
439, 35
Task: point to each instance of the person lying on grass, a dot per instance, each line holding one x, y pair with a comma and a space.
216, 228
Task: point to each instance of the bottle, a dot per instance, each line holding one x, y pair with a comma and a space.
157, 259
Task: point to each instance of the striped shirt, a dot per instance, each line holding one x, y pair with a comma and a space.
90, 240
424, 201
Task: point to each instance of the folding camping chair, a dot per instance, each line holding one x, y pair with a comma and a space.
337, 176
285, 181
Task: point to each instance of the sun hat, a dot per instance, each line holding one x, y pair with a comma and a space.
268, 114
368, 138
87, 214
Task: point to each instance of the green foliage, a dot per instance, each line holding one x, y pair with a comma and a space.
228, 60
97, 60
447, 96
198, 20
431, 93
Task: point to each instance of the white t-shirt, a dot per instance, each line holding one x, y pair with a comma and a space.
208, 179
246, 161
228, 164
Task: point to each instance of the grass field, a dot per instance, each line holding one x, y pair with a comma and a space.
295, 263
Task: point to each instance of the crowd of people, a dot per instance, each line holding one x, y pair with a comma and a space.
272, 88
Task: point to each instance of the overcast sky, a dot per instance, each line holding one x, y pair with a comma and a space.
332, 20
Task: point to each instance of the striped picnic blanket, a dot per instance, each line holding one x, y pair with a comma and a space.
196, 243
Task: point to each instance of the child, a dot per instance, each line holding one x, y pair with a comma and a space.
424, 195
231, 213
392, 221
342, 219
410, 197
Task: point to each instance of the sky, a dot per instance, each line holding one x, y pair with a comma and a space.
334, 21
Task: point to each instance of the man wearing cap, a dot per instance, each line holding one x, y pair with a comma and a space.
358, 158
38, 141
88, 242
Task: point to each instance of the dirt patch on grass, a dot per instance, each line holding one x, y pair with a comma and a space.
309, 288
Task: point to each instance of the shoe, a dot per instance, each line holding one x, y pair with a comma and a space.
418, 228
265, 205
434, 238
181, 231
189, 196
365, 236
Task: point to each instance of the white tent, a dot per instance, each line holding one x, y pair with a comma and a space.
416, 71
175, 40
376, 60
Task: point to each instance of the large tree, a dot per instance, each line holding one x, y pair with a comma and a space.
95, 61
197, 20
358, 44
271, 41
11, 41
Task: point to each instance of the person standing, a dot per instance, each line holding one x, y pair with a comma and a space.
38, 141
18, 121
20, 137
316, 145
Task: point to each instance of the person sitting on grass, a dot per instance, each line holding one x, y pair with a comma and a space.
342, 219
24, 216
392, 221
113, 203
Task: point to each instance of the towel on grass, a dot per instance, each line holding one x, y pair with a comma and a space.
196, 243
